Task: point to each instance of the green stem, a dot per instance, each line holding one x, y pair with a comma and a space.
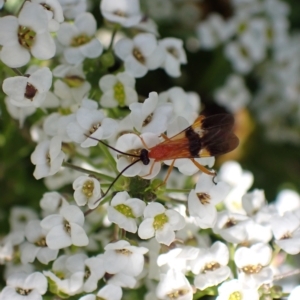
17, 71
185, 191
109, 157
96, 174
116, 28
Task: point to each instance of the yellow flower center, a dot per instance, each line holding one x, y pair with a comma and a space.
138, 55
203, 197
73, 81
235, 296
252, 269
119, 93
177, 293
23, 292
125, 210
160, 221
80, 40
212, 266
88, 188
26, 37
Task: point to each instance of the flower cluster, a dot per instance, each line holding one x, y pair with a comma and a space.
114, 223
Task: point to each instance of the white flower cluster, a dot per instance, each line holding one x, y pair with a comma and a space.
92, 127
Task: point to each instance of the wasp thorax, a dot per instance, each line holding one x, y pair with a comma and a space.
204, 198
138, 55
252, 269
147, 120
211, 266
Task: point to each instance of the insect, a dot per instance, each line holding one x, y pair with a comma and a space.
206, 137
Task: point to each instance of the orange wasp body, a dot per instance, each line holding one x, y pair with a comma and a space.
206, 137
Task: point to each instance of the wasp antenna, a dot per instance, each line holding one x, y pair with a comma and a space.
114, 181
112, 148
214, 177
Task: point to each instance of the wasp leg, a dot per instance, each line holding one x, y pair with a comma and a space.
204, 169
150, 171
165, 137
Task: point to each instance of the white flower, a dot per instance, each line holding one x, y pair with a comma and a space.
37, 247
132, 143
92, 269
118, 90
8, 245
121, 257
234, 95
19, 113
174, 285
56, 124
125, 12
211, 266
79, 40
73, 8
87, 191
22, 285
124, 210
24, 35
287, 196
51, 202
47, 157
151, 116
252, 202
160, 222
64, 278
90, 123
245, 53
140, 54
235, 289
54, 13
252, 263
202, 200
109, 291
20, 216
26, 91
175, 56
66, 228
231, 227
178, 258
286, 230
232, 173
213, 31
185, 104
295, 293
73, 88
